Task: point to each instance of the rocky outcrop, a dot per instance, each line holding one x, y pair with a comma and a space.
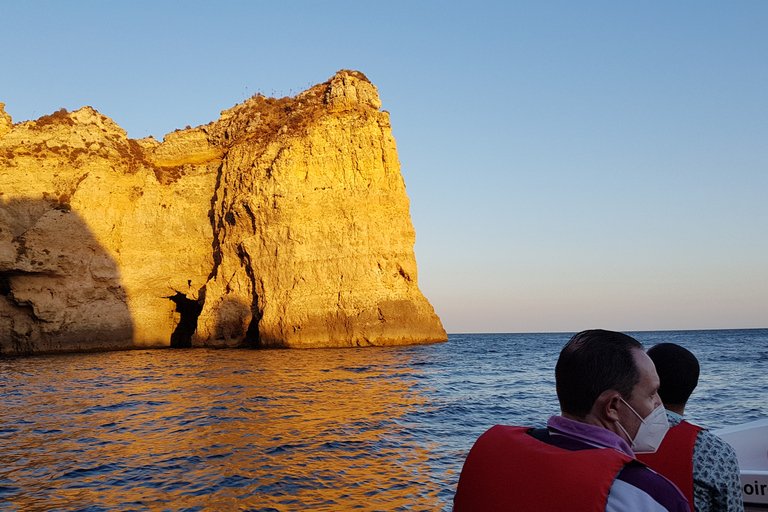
6, 123
285, 223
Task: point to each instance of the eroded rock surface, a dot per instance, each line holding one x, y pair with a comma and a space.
285, 223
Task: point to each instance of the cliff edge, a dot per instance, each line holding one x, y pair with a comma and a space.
285, 223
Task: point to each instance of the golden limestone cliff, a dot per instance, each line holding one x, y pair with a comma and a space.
285, 223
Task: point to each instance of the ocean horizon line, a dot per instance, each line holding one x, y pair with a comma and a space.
618, 330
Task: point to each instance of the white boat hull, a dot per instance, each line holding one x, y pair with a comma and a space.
750, 441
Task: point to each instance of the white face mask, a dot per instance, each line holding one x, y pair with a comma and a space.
651, 432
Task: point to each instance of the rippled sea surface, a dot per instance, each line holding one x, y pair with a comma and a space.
340, 429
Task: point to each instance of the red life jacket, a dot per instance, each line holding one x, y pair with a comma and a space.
674, 458
507, 469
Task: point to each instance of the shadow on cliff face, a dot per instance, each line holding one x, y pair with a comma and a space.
60, 290
230, 324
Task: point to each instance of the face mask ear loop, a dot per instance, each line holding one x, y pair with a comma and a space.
629, 437
631, 409
625, 432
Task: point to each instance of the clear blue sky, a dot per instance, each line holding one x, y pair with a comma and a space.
570, 165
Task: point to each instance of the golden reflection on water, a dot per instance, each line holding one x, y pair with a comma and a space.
290, 430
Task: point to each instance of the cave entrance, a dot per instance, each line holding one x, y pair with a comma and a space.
252, 337
189, 310
5, 284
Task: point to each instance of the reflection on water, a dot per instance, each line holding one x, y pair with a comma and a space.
366, 429
287, 430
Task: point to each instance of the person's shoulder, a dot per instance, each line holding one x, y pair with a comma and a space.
709, 436
707, 440
640, 475
641, 481
712, 454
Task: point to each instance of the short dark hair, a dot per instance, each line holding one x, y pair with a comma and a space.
678, 371
592, 362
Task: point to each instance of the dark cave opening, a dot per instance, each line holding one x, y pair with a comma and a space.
5, 285
252, 337
189, 310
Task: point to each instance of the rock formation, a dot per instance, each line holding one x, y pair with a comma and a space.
285, 223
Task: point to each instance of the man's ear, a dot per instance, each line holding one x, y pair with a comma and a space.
607, 405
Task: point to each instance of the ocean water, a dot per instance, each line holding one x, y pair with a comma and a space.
337, 429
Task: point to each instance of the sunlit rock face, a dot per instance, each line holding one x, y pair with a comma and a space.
285, 223
94, 235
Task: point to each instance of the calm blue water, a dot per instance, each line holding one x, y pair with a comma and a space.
340, 429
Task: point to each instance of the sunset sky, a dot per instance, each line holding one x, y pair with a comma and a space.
570, 165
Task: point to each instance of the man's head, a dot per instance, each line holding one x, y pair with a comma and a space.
605, 378
591, 363
678, 370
